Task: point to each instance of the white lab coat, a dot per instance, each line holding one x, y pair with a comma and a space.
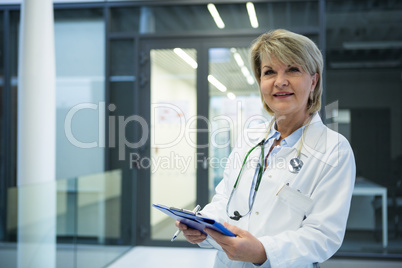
298, 224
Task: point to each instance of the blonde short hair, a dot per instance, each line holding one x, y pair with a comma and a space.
289, 48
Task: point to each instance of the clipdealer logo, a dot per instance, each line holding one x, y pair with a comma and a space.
185, 132
122, 122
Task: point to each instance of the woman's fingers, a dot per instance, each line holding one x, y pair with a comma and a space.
192, 235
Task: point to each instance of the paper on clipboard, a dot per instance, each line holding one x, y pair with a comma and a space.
193, 220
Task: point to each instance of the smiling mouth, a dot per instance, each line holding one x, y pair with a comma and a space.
283, 94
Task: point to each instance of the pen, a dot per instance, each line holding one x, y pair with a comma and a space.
195, 210
287, 184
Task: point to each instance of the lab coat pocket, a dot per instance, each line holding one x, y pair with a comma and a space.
295, 200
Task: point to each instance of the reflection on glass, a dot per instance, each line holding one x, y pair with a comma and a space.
173, 144
84, 212
234, 105
80, 93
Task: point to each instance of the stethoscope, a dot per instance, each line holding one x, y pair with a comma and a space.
295, 165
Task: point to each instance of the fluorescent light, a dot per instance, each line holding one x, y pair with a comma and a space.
250, 80
372, 45
365, 64
246, 73
244, 69
216, 83
231, 96
238, 59
215, 15
190, 61
252, 15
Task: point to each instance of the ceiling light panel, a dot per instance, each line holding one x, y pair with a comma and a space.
252, 15
216, 83
231, 96
243, 68
238, 59
187, 58
215, 15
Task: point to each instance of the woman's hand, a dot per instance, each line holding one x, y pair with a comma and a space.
244, 247
192, 235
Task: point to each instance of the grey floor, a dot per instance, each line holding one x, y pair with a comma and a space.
151, 257
69, 256
92, 256
354, 242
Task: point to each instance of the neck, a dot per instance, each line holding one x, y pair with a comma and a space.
286, 125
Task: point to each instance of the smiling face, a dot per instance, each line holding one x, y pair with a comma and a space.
286, 88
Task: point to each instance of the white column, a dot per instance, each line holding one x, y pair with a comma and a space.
36, 136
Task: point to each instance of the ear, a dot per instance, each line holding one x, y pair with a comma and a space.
314, 81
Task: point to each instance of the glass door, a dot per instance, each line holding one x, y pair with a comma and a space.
173, 93
197, 96
234, 104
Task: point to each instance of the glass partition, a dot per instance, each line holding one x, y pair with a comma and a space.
80, 91
363, 87
173, 144
70, 223
234, 105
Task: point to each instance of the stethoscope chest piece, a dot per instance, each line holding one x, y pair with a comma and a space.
295, 165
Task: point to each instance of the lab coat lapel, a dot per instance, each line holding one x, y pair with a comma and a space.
315, 133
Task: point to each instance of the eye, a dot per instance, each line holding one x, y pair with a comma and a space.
268, 72
294, 69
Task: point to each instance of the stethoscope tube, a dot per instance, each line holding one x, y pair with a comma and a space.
237, 215
295, 166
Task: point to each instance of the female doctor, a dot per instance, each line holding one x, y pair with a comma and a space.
287, 199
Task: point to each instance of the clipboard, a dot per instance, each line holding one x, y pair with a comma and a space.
193, 220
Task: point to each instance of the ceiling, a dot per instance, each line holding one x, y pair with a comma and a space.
364, 34
359, 34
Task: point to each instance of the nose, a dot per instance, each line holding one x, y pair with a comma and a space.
281, 81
